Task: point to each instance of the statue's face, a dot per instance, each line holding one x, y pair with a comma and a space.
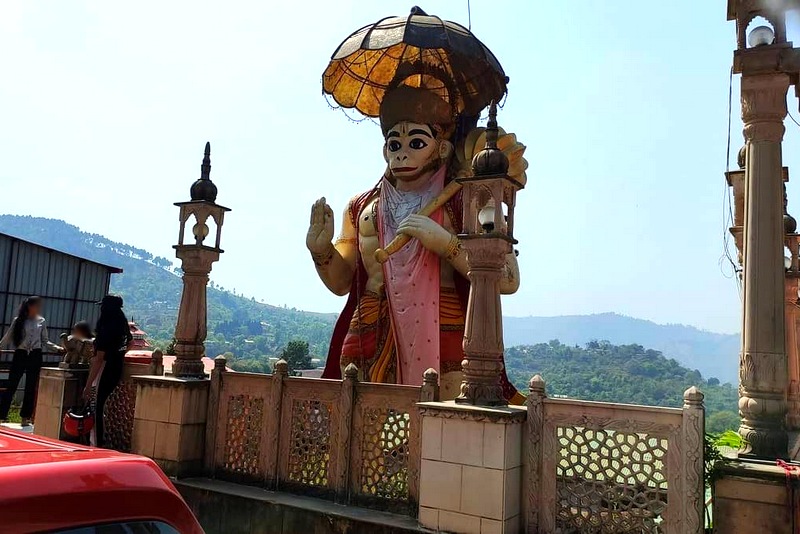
410, 150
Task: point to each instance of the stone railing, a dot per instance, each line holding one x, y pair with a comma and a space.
60, 388
121, 404
356, 443
609, 468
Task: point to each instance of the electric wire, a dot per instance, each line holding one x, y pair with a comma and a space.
727, 204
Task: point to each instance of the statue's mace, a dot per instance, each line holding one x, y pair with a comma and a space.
382, 254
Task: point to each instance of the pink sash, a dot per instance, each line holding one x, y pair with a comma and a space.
412, 278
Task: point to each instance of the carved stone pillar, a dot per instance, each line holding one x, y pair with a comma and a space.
190, 330
483, 331
762, 363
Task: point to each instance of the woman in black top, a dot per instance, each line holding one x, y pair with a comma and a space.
110, 344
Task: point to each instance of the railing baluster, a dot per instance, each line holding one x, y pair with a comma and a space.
430, 386
340, 466
273, 428
535, 426
212, 415
693, 434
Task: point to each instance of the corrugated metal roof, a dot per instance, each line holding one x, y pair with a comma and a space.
70, 285
112, 268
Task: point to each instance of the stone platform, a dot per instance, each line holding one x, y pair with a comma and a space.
227, 508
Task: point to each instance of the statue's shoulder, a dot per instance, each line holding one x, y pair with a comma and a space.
361, 201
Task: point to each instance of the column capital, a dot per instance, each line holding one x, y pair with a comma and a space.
764, 106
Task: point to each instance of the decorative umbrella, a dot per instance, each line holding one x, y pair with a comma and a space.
420, 51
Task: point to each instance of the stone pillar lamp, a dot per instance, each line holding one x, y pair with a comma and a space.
488, 237
197, 256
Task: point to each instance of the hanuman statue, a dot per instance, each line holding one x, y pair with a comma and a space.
405, 314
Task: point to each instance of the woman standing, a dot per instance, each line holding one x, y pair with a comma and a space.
110, 344
27, 336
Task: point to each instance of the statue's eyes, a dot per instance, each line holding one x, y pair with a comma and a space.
417, 144
394, 146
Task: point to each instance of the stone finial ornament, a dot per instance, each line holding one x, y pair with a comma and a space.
204, 189
693, 396
351, 371
431, 377
281, 368
491, 160
537, 385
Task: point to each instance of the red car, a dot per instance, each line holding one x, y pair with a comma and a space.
57, 487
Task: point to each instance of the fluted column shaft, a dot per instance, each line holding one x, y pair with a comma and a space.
763, 362
483, 330
190, 330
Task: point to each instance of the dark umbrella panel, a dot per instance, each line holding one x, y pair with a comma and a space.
418, 50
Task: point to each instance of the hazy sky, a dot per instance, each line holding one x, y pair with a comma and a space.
105, 108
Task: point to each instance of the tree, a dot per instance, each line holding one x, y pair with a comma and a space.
296, 355
721, 421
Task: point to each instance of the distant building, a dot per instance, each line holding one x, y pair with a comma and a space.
139, 338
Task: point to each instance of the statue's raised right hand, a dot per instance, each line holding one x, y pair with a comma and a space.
320, 229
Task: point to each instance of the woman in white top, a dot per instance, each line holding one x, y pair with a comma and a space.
28, 337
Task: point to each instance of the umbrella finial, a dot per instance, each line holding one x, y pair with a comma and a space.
416, 10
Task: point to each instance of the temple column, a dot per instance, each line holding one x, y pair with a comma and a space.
483, 330
190, 330
762, 363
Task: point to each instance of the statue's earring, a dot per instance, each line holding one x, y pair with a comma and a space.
445, 149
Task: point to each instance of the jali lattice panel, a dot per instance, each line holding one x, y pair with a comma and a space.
310, 451
610, 481
385, 453
243, 438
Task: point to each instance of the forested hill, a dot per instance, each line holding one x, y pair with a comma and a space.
151, 287
715, 355
619, 373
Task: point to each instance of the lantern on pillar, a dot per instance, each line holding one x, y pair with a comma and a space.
773, 11
489, 196
197, 256
490, 193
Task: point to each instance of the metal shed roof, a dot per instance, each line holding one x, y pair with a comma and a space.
112, 268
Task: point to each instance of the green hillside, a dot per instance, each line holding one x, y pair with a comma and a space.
619, 373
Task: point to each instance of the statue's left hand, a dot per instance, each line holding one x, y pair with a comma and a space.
431, 234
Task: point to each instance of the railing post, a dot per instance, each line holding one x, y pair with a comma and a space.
273, 430
341, 479
430, 386
212, 419
693, 435
533, 444
156, 367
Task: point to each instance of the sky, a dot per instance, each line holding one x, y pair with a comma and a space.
105, 108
